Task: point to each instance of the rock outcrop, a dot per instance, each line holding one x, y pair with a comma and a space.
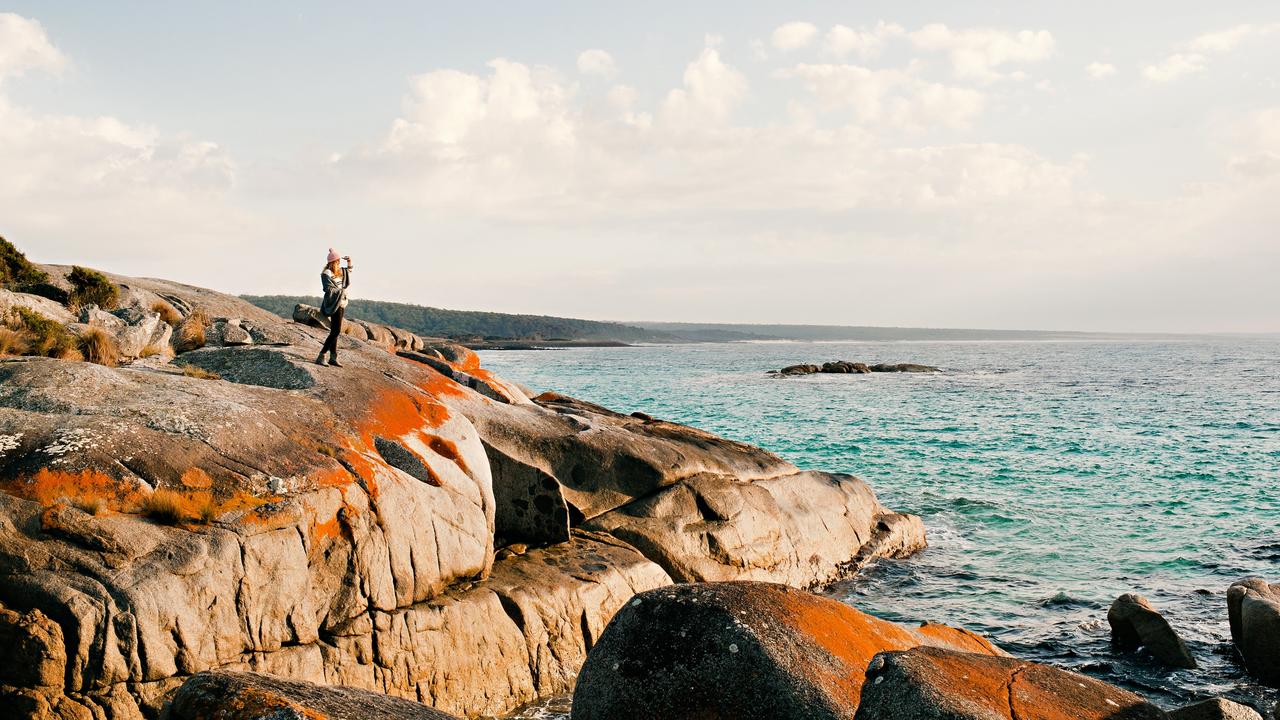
741, 650
1253, 609
1135, 623
712, 527
932, 683
857, 368
408, 523
1215, 709
253, 696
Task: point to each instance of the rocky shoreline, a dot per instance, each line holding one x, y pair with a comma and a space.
204, 523
408, 523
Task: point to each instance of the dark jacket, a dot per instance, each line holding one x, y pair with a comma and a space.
335, 291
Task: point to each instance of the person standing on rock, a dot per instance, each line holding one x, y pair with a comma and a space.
334, 281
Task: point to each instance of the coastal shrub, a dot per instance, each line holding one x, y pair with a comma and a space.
90, 286
98, 347
16, 271
193, 371
188, 335
44, 336
12, 342
163, 506
167, 313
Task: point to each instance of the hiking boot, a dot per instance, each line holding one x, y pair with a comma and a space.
333, 360
320, 358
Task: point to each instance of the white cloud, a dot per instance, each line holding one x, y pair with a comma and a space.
1174, 67
1193, 56
598, 63
131, 188
842, 41
545, 160
976, 53
895, 97
711, 91
25, 46
1255, 144
1227, 40
1100, 69
793, 35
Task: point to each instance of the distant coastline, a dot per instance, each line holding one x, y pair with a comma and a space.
481, 330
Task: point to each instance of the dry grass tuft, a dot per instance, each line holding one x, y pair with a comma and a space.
327, 451
42, 336
206, 511
199, 372
188, 334
91, 505
99, 347
151, 351
167, 313
164, 506
12, 342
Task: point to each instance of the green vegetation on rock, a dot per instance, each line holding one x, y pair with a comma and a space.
91, 286
16, 271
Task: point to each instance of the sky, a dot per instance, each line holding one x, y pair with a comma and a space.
1017, 165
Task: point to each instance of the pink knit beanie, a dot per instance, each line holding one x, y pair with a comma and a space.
333, 255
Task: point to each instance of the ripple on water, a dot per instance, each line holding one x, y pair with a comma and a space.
1052, 477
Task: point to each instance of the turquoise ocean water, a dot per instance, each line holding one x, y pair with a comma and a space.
1052, 476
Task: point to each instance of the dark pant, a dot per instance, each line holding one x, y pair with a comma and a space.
335, 329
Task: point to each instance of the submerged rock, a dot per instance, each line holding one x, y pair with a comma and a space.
1253, 608
742, 650
254, 696
932, 683
1215, 709
1135, 623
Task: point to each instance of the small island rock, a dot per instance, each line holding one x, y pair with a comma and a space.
837, 367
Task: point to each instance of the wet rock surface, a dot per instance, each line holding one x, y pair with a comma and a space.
741, 650
1135, 623
254, 696
1215, 709
1253, 610
931, 683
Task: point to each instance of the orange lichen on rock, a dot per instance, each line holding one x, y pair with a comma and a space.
436, 384
393, 413
253, 702
958, 638
48, 487
196, 478
959, 684
847, 635
806, 654
449, 450
330, 529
